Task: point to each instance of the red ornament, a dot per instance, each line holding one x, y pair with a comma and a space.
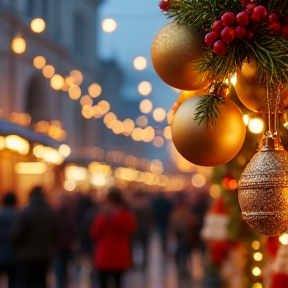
164, 5
273, 17
240, 32
220, 48
249, 35
279, 280
250, 8
284, 31
275, 27
242, 18
228, 19
260, 12
228, 34
218, 26
211, 38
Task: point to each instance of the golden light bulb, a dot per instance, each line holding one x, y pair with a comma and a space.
146, 106
75, 92
39, 62
145, 88
38, 25
109, 25
140, 63
95, 90
48, 71
57, 82
18, 44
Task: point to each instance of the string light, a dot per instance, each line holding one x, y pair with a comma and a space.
149, 134
159, 114
75, 92
48, 71
142, 121
104, 106
140, 63
86, 100
38, 25
57, 82
146, 106
158, 141
109, 25
39, 62
95, 90
76, 77
18, 44
144, 88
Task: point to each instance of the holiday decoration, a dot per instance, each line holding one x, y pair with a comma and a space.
207, 146
263, 189
174, 49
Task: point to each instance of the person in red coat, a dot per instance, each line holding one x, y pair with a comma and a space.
110, 232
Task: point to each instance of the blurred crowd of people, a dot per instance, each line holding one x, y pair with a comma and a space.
42, 237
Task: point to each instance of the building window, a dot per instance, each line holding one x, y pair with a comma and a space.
79, 34
30, 8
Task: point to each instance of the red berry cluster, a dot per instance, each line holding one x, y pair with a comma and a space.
164, 5
230, 26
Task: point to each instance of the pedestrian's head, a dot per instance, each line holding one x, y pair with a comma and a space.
115, 196
36, 192
9, 200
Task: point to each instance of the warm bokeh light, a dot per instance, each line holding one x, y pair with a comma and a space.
104, 106
246, 119
233, 79
109, 25
69, 185
198, 180
95, 90
48, 71
256, 271
283, 239
87, 111
256, 125
2, 143
167, 133
215, 191
118, 127
97, 112
18, 44
146, 106
159, 114
64, 150
39, 62
17, 143
149, 134
128, 126
38, 25
142, 121
137, 134
77, 77
156, 167
109, 118
256, 245
258, 256
257, 285
32, 168
86, 100
76, 173
158, 141
233, 184
145, 88
57, 82
140, 63
75, 92
52, 156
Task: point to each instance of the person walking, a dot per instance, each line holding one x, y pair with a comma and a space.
7, 254
34, 237
111, 233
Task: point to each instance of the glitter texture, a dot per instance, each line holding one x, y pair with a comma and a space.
263, 192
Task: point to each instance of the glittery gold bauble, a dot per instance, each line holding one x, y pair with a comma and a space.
174, 49
251, 94
263, 192
208, 146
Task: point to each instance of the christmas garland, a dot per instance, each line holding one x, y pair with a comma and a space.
235, 32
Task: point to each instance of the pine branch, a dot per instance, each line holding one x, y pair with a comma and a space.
207, 110
281, 6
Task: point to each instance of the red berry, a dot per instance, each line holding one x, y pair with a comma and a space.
285, 31
275, 27
260, 12
228, 34
240, 32
220, 48
250, 8
242, 18
228, 19
249, 35
218, 26
211, 38
273, 17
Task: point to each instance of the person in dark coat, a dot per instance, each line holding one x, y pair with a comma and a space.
111, 233
34, 236
7, 253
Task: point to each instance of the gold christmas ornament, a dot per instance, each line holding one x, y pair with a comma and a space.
263, 189
208, 146
254, 96
174, 49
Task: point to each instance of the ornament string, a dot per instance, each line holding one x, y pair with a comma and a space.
276, 108
268, 134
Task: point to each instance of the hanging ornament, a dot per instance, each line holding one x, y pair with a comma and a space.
208, 145
263, 189
174, 49
253, 95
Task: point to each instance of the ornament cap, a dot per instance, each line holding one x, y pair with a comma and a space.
270, 142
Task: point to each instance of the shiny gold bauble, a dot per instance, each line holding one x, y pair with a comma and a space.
263, 192
188, 94
208, 146
174, 49
251, 94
